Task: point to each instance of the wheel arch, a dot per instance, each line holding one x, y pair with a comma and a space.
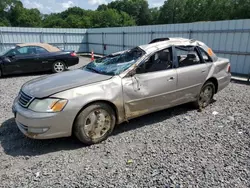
215, 82
112, 105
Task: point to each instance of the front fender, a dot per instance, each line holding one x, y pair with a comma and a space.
109, 90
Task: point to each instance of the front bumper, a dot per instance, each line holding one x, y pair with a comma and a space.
41, 125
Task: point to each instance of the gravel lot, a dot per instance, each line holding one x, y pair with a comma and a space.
178, 147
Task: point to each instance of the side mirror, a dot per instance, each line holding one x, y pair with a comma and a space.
7, 60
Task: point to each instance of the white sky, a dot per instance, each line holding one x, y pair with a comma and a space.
48, 6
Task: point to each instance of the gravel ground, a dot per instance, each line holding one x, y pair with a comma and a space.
178, 147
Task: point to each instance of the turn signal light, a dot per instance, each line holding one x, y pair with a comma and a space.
229, 68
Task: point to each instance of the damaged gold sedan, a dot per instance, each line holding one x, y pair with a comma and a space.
90, 101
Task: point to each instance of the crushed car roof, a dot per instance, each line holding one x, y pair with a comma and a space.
46, 46
169, 42
151, 47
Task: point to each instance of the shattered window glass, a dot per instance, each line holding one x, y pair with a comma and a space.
187, 56
205, 56
115, 64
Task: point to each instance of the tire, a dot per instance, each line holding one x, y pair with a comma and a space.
58, 67
1, 74
204, 100
94, 123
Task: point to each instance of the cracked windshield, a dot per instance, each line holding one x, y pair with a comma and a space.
115, 64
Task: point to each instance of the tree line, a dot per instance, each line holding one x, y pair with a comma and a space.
125, 13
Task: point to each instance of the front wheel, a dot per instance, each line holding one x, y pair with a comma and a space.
206, 95
58, 67
95, 123
0, 73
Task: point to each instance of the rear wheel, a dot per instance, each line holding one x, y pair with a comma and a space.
206, 95
95, 123
58, 67
0, 73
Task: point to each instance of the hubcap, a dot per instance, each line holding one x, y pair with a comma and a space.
59, 67
97, 124
205, 96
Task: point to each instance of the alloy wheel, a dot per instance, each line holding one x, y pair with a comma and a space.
206, 96
97, 124
59, 67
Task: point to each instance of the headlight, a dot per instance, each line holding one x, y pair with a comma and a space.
48, 105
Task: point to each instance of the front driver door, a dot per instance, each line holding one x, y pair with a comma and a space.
24, 60
10, 64
28, 59
152, 88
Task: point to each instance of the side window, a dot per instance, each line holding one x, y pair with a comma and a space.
161, 60
187, 56
27, 50
205, 56
40, 50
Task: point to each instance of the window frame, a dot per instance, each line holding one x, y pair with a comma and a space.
26, 54
151, 54
46, 51
195, 49
200, 49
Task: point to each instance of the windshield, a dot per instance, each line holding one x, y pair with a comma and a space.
4, 52
115, 64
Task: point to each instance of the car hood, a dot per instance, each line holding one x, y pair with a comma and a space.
47, 85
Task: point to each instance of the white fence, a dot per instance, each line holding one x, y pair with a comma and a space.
228, 39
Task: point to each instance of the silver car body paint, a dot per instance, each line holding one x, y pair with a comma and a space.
130, 96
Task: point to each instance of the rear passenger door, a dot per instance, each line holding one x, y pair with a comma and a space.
191, 72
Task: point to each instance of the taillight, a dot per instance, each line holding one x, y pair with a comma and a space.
229, 68
73, 54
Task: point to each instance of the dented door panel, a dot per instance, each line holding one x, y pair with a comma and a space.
190, 81
149, 92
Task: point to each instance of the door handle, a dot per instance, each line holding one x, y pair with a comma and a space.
171, 79
203, 71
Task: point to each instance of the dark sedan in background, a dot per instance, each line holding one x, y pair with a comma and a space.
36, 57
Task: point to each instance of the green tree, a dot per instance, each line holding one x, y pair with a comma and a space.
4, 22
241, 9
172, 11
5, 5
111, 18
54, 21
125, 13
154, 15
138, 9
22, 17
102, 7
